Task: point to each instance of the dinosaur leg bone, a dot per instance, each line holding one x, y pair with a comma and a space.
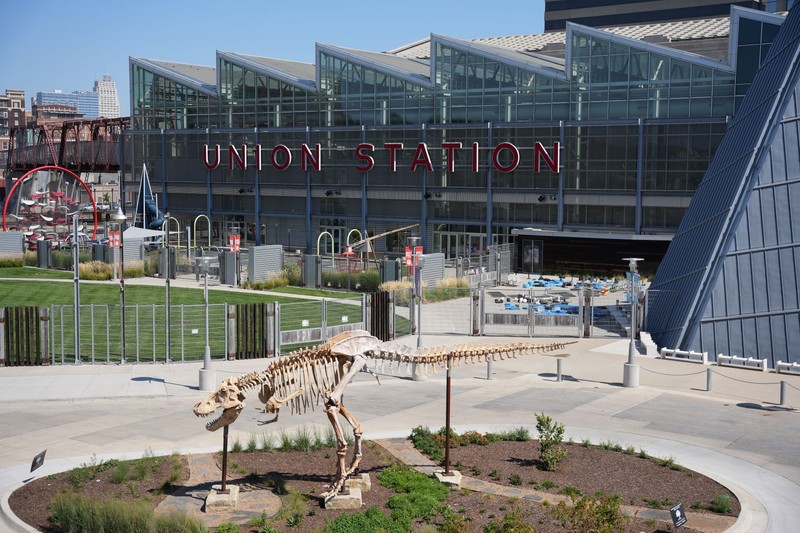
356, 425
332, 409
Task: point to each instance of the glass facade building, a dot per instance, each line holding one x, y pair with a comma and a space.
86, 102
631, 126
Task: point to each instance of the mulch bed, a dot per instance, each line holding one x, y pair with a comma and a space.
639, 482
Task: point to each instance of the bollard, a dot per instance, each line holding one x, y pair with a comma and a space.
783, 394
489, 368
558, 369
708, 380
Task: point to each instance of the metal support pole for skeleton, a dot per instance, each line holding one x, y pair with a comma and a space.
447, 471
224, 489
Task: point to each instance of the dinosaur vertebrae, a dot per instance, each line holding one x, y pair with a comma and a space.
316, 371
434, 358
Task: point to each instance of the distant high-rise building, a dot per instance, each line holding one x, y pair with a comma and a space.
12, 115
599, 13
108, 101
86, 102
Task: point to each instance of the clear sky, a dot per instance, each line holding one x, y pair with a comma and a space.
67, 45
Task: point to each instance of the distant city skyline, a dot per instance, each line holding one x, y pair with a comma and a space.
47, 54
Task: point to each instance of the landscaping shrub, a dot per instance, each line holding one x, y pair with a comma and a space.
599, 514
419, 496
551, 434
293, 275
370, 520
433, 445
75, 513
267, 284
365, 281
95, 270
9, 260
513, 522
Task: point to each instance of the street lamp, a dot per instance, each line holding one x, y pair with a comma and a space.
207, 376
630, 376
167, 356
120, 218
76, 274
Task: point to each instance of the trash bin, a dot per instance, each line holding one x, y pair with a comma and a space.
44, 255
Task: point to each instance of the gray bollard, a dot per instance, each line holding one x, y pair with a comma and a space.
708, 380
558, 369
489, 368
783, 393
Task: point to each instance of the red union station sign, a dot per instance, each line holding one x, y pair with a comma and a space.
505, 156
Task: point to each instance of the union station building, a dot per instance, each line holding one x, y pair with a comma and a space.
586, 144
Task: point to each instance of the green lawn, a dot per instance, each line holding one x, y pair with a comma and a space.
44, 293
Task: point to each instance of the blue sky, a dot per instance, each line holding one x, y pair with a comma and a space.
67, 45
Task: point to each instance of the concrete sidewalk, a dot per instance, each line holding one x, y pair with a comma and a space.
736, 433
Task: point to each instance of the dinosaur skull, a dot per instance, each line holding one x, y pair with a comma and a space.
228, 397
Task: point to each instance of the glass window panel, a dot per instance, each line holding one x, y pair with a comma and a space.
580, 45
749, 31
701, 107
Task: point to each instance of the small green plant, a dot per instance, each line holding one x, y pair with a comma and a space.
721, 504
572, 491
252, 443
121, 473
493, 474
317, 443
551, 434
658, 504
330, 438
586, 443
643, 454
259, 521
302, 440
512, 522
236, 447
285, 441
630, 450
226, 527
475, 471
514, 479
599, 514
267, 443
296, 520
548, 484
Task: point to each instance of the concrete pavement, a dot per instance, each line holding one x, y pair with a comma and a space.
736, 433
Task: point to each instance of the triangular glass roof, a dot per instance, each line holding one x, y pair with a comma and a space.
413, 70
302, 75
198, 77
659, 49
548, 66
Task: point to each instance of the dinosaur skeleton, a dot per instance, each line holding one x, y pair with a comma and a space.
310, 376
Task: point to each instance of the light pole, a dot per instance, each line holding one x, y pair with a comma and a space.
120, 218
76, 275
112, 244
207, 376
630, 376
167, 358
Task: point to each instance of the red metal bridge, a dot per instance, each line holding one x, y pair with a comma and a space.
77, 145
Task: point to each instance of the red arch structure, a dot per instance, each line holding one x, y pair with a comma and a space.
52, 167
